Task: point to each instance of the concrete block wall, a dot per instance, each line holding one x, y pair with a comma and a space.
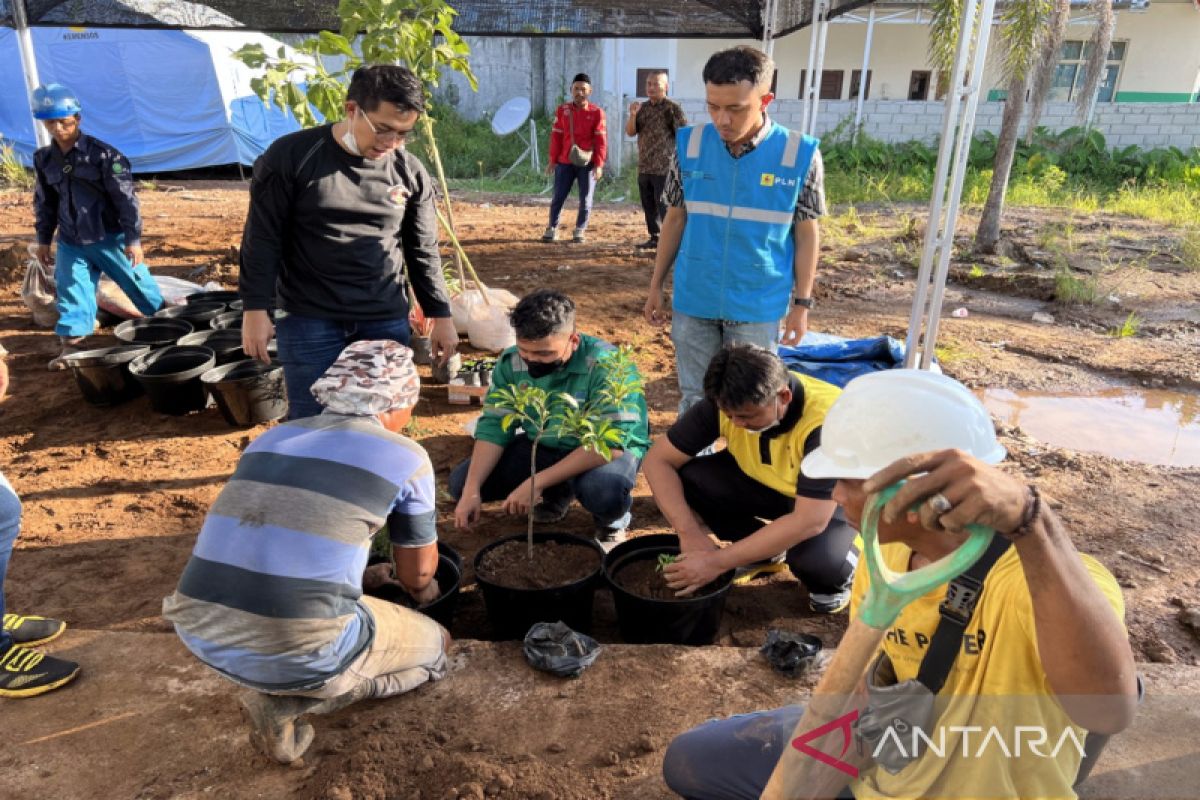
1146, 125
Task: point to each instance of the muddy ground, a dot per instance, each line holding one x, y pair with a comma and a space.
114, 498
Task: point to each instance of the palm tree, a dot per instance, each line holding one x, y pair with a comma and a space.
1030, 34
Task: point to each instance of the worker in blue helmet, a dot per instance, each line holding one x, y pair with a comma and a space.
84, 191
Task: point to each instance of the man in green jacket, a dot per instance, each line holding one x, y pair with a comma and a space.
552, 355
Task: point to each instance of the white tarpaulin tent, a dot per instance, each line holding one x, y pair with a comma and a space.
168, 99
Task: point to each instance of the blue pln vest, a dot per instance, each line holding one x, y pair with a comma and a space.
736, 259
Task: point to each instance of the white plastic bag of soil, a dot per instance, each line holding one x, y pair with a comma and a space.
486, 324
38, 291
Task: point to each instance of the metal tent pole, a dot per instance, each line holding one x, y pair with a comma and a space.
819, 68
952, 153
862, 76
770, 25
28, 66
807, 88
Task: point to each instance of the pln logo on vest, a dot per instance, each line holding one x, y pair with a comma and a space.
774, 180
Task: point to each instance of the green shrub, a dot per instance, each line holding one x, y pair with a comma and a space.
13, 174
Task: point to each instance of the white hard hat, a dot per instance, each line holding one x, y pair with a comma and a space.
884, 416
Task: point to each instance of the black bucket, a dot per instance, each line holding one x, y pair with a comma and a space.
248, 392
512, 612
225, 296
103, 375
196, 313
643, 620
227, 344
236, 305
171, 377
449, 578
154, 331
227, 321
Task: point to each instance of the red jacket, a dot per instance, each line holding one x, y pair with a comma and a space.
590, 133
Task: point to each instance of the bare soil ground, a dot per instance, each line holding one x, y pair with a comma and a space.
114, 499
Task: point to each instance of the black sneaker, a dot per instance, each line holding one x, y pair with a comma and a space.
27, 673
649, 244
546, 514
32, 631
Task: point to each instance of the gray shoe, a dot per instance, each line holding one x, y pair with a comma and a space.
609, 536
578, 235
550, 235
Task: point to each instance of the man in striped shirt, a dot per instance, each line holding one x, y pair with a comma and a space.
272, 597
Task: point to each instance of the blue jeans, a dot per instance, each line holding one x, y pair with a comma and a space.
10, 526
308, 346
77, 269
565, 176
732, 758
698, 339
605, 491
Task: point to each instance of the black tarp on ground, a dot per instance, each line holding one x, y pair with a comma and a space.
566, 18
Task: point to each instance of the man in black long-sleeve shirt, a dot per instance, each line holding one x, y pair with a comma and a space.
336, 215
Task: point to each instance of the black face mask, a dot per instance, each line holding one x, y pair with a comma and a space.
540, 369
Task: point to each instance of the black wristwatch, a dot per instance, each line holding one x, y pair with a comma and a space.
807, 302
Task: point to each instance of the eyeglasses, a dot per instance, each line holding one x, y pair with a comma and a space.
388, 135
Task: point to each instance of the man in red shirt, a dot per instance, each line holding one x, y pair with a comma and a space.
578, 145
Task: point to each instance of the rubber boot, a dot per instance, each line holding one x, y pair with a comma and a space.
70, 344
274, 731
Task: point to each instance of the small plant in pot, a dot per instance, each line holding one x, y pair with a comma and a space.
549, 561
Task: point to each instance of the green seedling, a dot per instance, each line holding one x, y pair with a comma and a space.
665, 560
1128, 328
590, 423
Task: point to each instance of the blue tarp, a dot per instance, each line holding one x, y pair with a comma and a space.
168, 100
837, 360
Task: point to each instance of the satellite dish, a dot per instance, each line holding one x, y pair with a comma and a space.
511, 116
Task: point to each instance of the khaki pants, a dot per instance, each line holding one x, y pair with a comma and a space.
408, 650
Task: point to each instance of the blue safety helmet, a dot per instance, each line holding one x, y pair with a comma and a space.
54, 101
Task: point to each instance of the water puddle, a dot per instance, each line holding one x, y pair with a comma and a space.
1149, 426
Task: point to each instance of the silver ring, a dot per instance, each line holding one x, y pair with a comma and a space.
940, 504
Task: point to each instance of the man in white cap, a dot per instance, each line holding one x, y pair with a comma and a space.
272, 597
1041, 647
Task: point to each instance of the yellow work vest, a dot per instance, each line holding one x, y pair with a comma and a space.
781, 470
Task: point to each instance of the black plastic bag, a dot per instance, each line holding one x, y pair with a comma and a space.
791, 653
554, 647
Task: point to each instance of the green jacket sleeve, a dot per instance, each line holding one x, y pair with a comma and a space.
488, 429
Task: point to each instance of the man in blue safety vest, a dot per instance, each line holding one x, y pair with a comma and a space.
745, 194
84, 190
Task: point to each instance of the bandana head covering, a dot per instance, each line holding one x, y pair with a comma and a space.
369, 378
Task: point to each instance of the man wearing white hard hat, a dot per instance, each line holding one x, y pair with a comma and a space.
1043, 646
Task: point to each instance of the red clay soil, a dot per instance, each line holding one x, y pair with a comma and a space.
114, 499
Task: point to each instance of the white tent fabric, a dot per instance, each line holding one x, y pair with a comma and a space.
168, 99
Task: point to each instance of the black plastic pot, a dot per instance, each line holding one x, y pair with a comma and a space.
248, 392
449, 578
644, 620
227, 320
154, 331
225, 296
171, 377
103, 375
512, 612
236, 305
196, 313
227, 344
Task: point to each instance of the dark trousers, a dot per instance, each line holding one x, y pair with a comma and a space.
650, 189
734, 505
605, 491
565, 176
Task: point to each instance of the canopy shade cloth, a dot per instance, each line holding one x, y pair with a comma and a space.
568, 18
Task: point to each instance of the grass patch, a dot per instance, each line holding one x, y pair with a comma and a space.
1070, 289
13, 174
1189, 248
1128, 328
948, 353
